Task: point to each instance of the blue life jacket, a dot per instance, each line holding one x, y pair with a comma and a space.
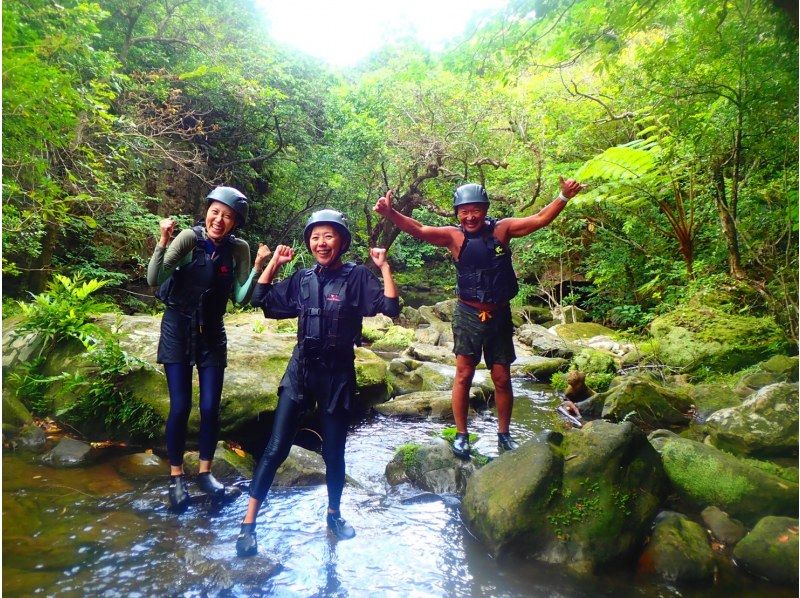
484, 267
328, 326
202, 287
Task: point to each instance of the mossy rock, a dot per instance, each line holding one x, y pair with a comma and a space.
705, 476
372, 386
228, 465
15, 414
396, 338
678, 550
594, 361
430, 466
771, 550
694, 337
709, 398
542, 368
782, 364
646, 403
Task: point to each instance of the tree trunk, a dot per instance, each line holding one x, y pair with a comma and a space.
728, 224
40, 274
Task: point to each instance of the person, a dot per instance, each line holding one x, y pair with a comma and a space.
329, 301
486, 283
202, 267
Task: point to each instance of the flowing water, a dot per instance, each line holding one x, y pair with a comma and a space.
90, 532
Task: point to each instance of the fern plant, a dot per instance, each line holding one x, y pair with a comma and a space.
65, 311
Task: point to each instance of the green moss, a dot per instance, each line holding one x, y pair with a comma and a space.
708, 480
286, 326
395, 339
599, 382
789, 474
449, 434
370, 334
410, 454
559, 381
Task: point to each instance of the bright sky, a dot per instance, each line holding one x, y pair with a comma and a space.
343, 32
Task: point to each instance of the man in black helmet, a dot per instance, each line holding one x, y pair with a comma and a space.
198, 272
485, 285
330, 300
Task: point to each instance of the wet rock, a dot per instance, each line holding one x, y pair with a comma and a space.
646, 403
764, 424
301, 468
409, 375
430, 353
678, 550
371, 379
228, 465
707, 476
430, 466
771, 550
584, 502
141, 466
68, 453
723, 527
429, 404
30, 438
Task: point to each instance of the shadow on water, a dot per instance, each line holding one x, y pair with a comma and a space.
91, 532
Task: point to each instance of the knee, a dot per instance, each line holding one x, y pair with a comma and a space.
209, 413
501, 380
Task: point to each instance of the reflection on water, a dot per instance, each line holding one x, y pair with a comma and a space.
89, 532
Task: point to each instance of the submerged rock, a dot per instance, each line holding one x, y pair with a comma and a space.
68, 453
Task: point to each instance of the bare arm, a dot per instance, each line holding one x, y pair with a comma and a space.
379, 258
441, 236
510, 228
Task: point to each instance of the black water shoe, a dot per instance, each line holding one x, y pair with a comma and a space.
340, 528
209, 485
461, 446
246, 544
178, 496
505, 442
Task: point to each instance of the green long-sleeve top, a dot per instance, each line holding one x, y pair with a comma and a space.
179, 252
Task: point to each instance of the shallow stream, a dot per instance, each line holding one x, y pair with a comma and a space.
90, 532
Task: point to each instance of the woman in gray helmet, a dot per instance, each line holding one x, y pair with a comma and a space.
330, 300
200, 270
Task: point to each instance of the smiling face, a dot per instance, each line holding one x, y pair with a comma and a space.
471, 216
220, 221
325, 243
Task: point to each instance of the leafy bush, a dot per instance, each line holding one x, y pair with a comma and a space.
64, 311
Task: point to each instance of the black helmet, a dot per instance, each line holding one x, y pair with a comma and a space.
233, 198
469, 193
333, 217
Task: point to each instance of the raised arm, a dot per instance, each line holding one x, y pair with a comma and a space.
510, 228
441, 236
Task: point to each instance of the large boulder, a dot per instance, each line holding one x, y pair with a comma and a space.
708, 398
430, 466
582, 331
706, 476
695, 336
540, 368
396, 338
770, 550
257, 357
593, 361
646, 403
764, 424
678, 550
584, 501
436, 354
15, 414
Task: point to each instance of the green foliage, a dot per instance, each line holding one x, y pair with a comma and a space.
559, 381
599, 382
99, 397
65, 311
449, 434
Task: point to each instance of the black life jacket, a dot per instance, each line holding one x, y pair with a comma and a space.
484, 267
201, 287
328, 325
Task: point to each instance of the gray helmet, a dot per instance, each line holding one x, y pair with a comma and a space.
469, 193
233, 198
332, 217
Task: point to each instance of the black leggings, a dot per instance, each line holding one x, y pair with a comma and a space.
334, 435
179, 382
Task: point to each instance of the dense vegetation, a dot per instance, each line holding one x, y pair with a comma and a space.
681, 116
